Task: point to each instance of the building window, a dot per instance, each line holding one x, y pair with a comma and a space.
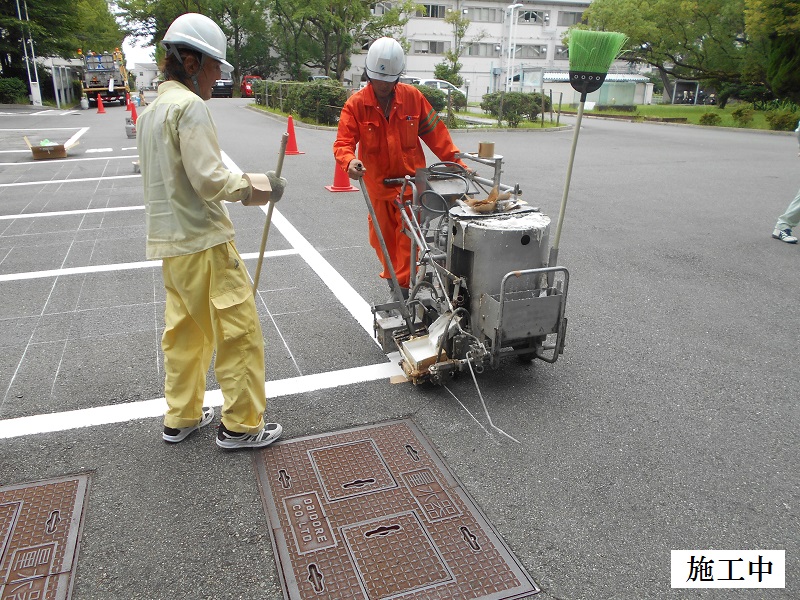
485, 15
483, 50
433, 11
562, 53
381, 8
531, 52
535, 16
567, 19
423, 47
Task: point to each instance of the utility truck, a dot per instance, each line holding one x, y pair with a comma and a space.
105, 74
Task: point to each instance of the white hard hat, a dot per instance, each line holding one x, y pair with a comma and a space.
198, 32
385, 59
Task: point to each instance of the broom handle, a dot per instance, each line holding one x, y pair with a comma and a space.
554, 249
569, 172
265, 234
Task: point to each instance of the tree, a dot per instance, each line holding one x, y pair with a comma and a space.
54, 28
777, 24
450, 67
321, 34
701, 40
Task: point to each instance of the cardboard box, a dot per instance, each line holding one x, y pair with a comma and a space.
49, 151
53, 150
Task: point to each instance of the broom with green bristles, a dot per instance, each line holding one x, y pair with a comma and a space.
590, 56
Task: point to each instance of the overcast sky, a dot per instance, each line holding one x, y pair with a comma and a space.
136, 54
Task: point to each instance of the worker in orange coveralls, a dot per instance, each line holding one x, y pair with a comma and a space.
387, 119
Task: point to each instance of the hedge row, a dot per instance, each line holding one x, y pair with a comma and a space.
322, 101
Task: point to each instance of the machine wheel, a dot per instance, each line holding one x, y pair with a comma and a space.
525, 357
532, 346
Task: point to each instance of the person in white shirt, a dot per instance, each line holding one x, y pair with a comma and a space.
791, 218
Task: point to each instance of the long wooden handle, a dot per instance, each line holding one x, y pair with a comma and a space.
265, 234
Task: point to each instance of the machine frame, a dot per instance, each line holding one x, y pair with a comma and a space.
461, 313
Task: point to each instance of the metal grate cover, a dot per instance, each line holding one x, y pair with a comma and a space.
39, 528
374, 513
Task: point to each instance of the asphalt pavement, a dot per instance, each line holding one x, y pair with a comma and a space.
669, 423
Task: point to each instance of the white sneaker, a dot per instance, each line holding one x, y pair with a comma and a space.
784, 235
174, 435
230, 440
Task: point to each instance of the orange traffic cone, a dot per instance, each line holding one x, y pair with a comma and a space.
133, 114
128, 102
291, 144
100, 109
341, 182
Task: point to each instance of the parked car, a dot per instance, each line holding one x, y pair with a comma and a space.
223, 88
319, 78
440, 84
247, 85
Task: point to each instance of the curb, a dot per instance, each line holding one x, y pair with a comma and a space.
302, 125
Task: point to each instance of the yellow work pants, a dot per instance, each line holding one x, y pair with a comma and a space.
210, 306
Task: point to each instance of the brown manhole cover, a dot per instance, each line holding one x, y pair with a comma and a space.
374, 513
39, 528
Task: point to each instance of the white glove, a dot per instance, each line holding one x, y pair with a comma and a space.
278, 184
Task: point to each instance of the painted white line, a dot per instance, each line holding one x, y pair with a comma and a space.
39, 128
14, 151
62, 213
74, 139
145, 264
120, 413
72, 160
93, 150
80, 180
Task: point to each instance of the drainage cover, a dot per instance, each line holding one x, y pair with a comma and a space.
374, 513
39, 528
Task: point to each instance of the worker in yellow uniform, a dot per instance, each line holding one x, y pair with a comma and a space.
209, 301
386, 120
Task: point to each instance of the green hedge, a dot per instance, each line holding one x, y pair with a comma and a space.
782, 120
438, 98
13, 91
514, 107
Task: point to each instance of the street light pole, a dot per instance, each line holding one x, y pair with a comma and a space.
36, 94
511, 43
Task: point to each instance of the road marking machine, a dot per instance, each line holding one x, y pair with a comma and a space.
481, 287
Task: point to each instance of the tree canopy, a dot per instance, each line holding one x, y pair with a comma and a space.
267, 37
720, 42
55, 28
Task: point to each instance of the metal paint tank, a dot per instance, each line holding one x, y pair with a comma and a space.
483, 248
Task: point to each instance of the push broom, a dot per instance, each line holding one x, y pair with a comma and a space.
590, 56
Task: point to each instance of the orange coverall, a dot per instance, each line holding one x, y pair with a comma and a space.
390, 149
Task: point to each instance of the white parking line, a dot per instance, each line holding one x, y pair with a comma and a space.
61, 213
146, 409
61, 160
145, 264
78, 180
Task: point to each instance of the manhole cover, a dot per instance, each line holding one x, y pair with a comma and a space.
374, 513
39, 528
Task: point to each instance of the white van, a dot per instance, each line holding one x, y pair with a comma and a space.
440, 84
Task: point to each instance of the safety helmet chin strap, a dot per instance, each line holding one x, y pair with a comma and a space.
176, 53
